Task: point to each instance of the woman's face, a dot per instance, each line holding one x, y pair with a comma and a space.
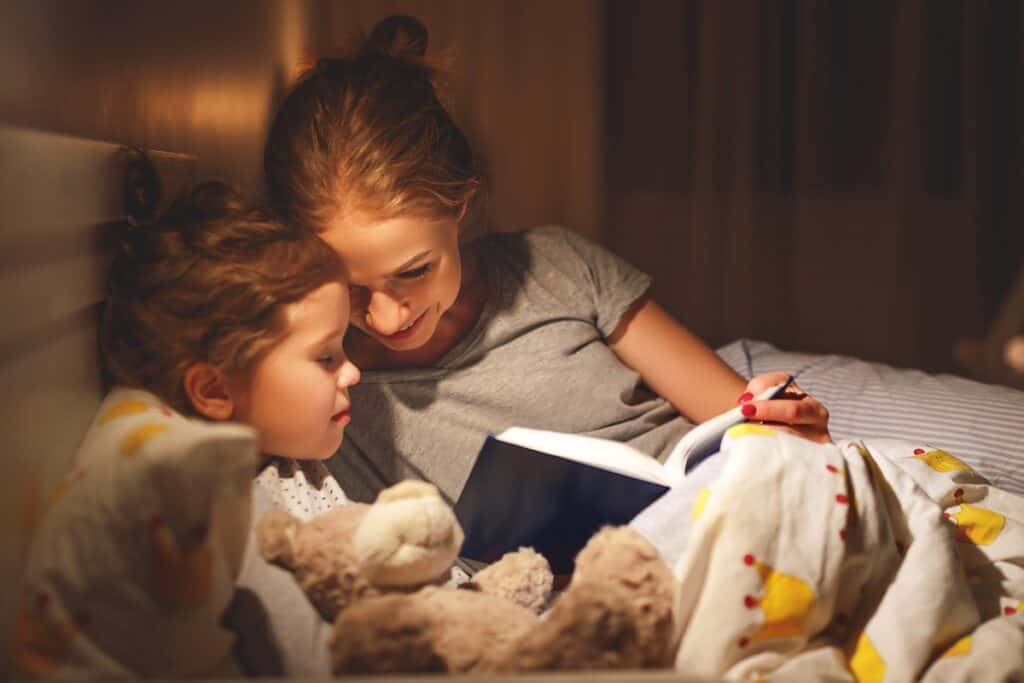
404, 275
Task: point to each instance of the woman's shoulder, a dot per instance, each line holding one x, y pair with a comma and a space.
538, 234
552, 244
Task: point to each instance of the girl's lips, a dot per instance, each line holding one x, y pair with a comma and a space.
344, 417
409, 331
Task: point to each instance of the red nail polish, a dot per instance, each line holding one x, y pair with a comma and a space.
748, 410
745, 397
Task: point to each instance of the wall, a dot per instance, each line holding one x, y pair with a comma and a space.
191, 77
202, 78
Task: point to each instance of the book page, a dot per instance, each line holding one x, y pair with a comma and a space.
706, 438
609, 455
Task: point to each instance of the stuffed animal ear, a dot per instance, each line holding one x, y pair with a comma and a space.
276, 534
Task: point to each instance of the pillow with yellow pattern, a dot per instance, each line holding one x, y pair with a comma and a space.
136, 558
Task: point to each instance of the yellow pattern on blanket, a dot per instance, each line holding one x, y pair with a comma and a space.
881, 559
940, 460
786, 602
978, 525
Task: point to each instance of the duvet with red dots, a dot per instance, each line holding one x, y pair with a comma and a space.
870, 560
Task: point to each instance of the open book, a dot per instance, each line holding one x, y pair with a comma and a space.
551, 491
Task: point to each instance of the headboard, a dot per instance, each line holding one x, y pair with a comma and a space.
56, 195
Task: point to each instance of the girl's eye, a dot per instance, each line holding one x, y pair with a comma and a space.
415, 273
325, 360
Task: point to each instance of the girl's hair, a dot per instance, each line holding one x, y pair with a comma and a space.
367, 133
206, 283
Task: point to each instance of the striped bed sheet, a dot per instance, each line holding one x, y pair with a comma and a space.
982, 424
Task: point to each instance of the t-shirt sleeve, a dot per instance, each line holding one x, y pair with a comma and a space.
606, 282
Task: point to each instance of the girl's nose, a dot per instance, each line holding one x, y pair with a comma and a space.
384, 313
348, 375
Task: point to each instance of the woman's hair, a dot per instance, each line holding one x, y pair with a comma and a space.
206, 283
367, 133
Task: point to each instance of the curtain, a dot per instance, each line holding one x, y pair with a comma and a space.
830, 176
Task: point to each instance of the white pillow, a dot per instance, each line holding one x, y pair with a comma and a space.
135, 561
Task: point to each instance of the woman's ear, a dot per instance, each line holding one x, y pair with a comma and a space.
208, 390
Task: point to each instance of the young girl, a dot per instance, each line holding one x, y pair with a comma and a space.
227, 314
540, 328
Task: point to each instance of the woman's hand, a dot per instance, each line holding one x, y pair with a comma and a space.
793, 410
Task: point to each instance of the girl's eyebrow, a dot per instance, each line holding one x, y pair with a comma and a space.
410, 262
330, 336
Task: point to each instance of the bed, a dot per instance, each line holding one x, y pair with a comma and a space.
57, 194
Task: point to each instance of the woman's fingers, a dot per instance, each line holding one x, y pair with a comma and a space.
758, 384
803, 411
794, 410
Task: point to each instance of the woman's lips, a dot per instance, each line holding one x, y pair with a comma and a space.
409, 331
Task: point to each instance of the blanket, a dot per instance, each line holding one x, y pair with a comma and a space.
866, 560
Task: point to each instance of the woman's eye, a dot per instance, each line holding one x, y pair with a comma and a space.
415, 273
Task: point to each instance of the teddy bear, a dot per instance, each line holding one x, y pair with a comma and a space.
381, 572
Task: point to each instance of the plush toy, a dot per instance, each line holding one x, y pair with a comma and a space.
379, 573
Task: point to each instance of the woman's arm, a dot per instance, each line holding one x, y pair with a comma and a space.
674, 362
687, 373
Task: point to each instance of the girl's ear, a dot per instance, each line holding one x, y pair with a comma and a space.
208, 390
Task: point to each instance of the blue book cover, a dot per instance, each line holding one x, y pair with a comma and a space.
518, 496
552, 491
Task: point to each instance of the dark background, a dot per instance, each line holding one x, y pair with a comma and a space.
828, 176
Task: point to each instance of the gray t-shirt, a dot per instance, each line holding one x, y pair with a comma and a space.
537, 357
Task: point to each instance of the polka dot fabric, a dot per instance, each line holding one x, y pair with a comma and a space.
304, 488
135, 561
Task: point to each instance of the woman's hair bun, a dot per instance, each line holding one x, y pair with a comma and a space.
399, 36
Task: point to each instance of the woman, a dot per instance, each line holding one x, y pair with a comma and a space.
541, 328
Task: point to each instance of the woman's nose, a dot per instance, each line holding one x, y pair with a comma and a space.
384, 313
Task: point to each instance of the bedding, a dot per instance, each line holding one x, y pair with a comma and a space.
891, 559
135, 561
855, 388
149, 483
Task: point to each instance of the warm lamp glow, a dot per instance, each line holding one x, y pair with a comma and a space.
1013, 353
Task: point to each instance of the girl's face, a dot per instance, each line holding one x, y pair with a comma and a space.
404, 275
296, 396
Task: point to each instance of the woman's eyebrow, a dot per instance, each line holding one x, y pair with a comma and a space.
412, 261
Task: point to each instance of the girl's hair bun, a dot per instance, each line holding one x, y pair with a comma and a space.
213, 199
399, 36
